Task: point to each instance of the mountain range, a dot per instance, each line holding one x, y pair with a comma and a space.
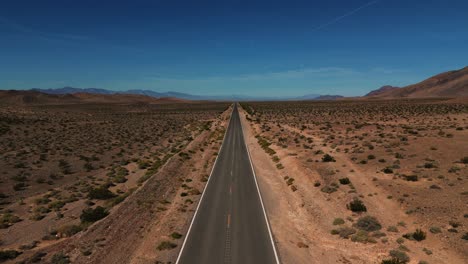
446, 84
185, 96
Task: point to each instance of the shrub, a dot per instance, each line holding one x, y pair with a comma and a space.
56, 205
91, 215
368, 223
100, 193
435, 230
411, 177
400, 255
60, 258
464, 160
465, 236
392, 261
328, 158
328, 189
166, 245
345, 181
344, 232
69, 230
429, 165
371, 157
357, 206
362, 237
176, 235
419, 235
388, 170
338, 221
19, 186
8, 219
37, 257
8, 254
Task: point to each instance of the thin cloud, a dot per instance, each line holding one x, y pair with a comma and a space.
280, 75
44, 35
65, 37
352, 12
388, 70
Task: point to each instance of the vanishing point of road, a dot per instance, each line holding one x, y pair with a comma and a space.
230, 224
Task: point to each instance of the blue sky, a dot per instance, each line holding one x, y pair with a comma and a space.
258, 48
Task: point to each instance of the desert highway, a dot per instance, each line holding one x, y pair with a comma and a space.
230, 224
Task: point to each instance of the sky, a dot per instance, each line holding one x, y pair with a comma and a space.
255, 48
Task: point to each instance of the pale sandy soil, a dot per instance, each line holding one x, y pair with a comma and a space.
302, 219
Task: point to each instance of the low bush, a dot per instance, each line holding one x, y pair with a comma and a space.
166, 245
368, 223
411, 177
344, 232
400, 255
392, 261
328, 189
69, 230
8, 219
345, 181
176, 235
328, 158
37, 257
338, 221
435, 230
429, 165
362, 237
100, 193
8, 254
387, 170
91, 215
465, 236
357, 206
418, 235
60, 258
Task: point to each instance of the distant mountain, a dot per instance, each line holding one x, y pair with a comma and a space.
306, 97
328, 97
185, 96
72, 90
15, 97
447, 84
382, 90
34, 97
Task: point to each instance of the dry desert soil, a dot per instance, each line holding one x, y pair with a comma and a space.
349, 181
363, 181
103, 183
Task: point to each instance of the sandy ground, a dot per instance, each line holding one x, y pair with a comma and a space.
157, 213
301, 215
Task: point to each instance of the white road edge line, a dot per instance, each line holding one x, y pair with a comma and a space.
203, 194
260, 195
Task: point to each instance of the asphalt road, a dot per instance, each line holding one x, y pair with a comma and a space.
230, 225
